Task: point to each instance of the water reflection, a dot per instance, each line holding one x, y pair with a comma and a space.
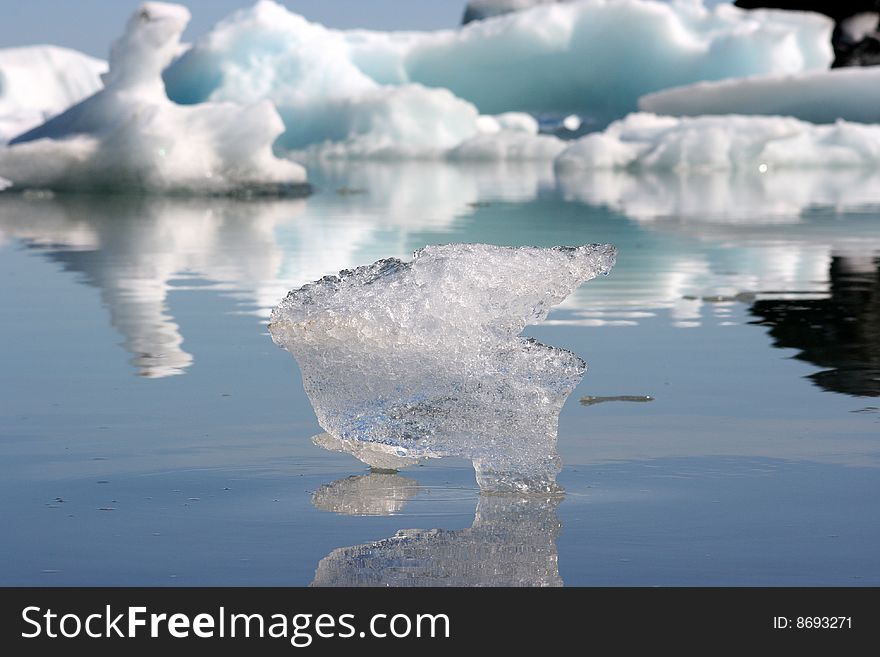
373, 494
137, 250
724, 197
684, 240
840, 334
512, 542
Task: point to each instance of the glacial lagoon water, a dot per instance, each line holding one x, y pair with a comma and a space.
151, 433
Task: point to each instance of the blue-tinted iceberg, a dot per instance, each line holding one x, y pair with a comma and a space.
390, 91
38, 82
422, 359
130, 136
852, 94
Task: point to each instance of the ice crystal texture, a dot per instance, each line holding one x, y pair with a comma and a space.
423, 358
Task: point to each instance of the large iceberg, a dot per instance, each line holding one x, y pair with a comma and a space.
426, 90
38, 82
723, 143
129, 135
852, 94
423, 358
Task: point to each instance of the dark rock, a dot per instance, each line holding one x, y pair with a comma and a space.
856, 37
477, 10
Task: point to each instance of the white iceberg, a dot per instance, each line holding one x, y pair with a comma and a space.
723, 143
130, 136
386, 92
38, 82
424, 357
852, 94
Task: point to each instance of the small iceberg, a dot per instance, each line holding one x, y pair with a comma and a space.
129, 136
423, 359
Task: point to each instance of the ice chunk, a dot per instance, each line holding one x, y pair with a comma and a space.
852, 94
512, 542
718, 143
594, 58
129, 135
38, 82
424, 358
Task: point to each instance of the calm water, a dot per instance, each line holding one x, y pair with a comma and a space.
151, 433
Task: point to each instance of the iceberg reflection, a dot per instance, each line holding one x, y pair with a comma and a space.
744, 236
373, 494
512, 542
136, 251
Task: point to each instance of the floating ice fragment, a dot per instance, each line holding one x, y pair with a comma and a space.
422, 359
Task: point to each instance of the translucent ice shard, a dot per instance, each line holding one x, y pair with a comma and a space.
423, 359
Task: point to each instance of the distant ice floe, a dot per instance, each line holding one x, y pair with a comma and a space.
130, 136
365, 93
647, 142
423, 358
852, 94
38, 82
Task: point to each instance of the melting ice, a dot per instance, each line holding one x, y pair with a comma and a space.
423, 359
